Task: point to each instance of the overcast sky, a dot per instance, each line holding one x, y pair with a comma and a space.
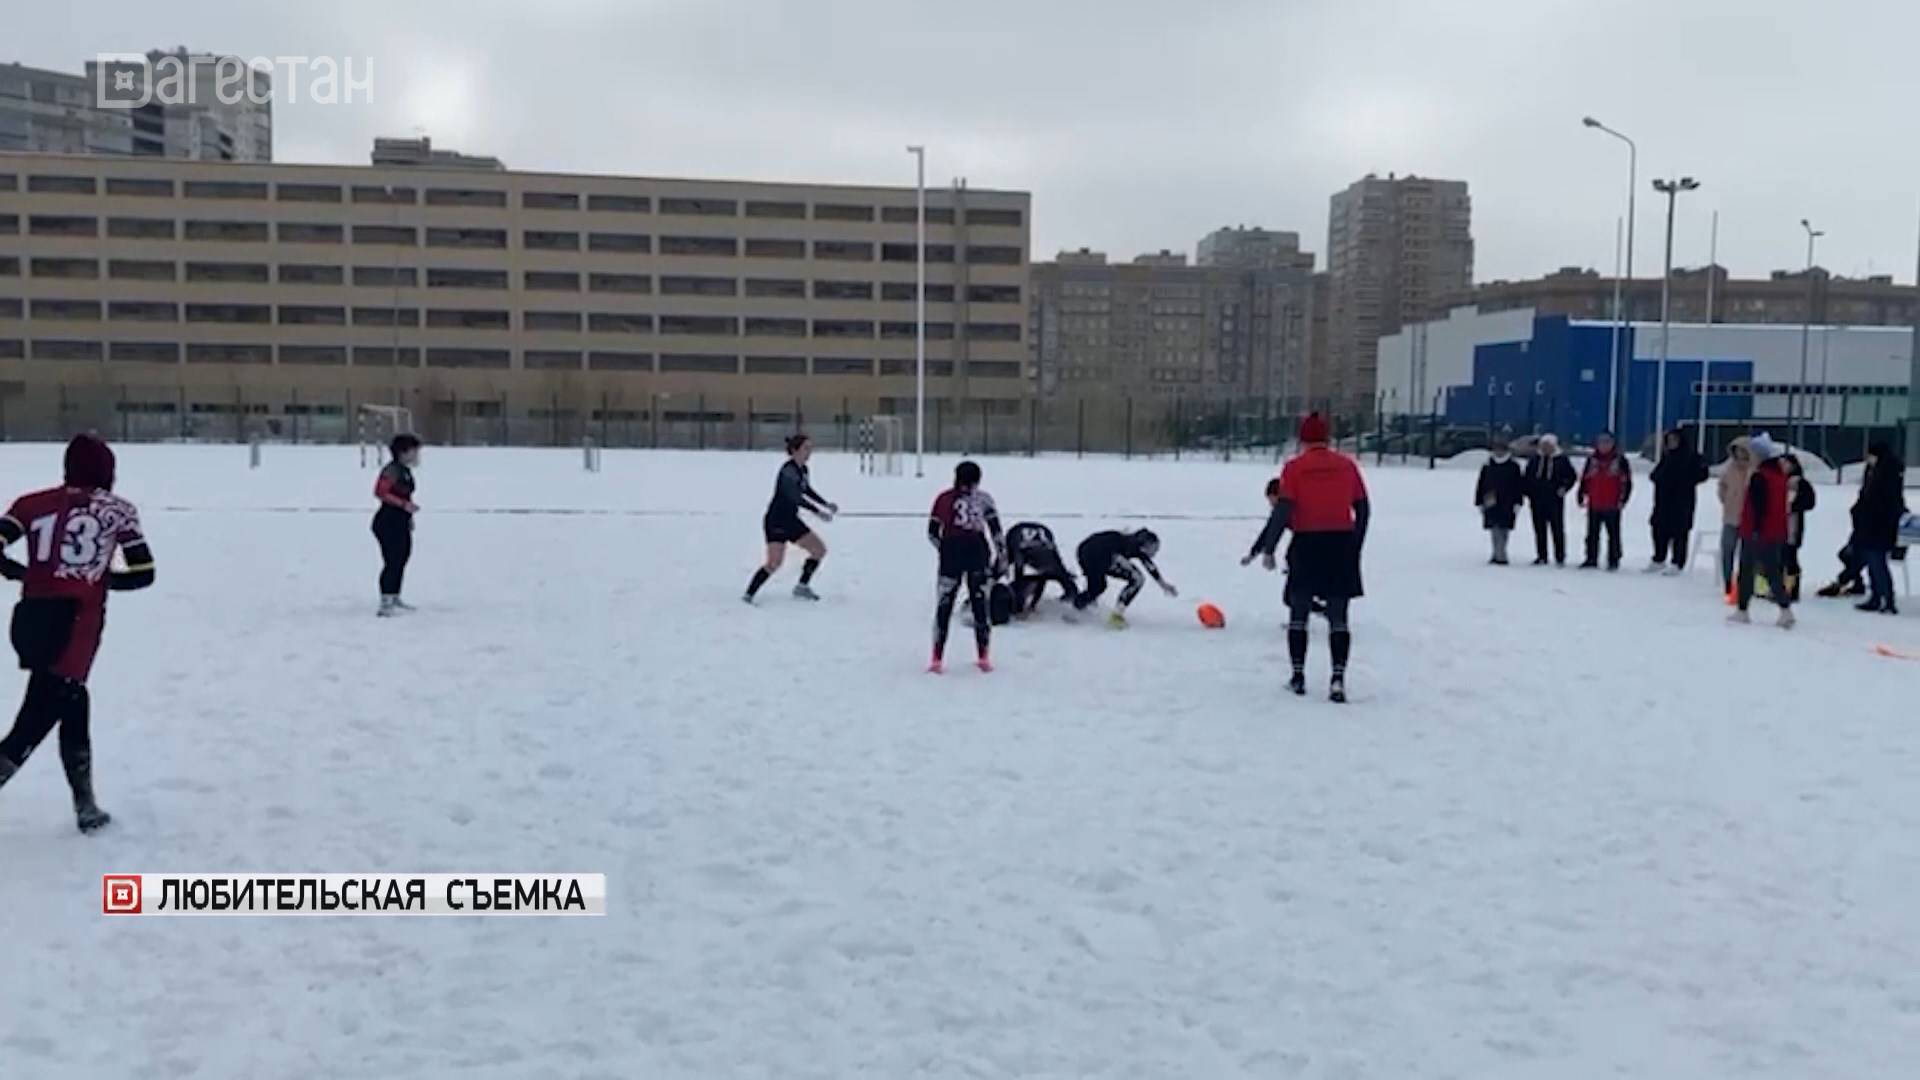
1141, 125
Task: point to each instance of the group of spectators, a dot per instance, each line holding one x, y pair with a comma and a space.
1764, 495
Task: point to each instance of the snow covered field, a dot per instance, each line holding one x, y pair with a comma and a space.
1573, 826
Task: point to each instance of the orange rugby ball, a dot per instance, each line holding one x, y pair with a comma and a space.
1211, 617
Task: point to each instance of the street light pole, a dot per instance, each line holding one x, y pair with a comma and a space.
1671, 189
1614, 379
1706, 362
920, 312
1806, 337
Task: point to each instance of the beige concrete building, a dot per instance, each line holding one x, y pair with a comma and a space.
1785, 296
1396, 249
165, 299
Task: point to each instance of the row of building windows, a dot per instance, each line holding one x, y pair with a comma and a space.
1740, 389
712, 247
490, 198
490, 319
168, 352
237, 273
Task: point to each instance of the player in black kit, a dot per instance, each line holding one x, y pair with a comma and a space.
964, 527
792, 493
1036, 561
1112, 554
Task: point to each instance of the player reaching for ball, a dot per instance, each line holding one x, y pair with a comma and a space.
964, 527
1323, 499
792, 493
1113, 554
72, 532
1036, 561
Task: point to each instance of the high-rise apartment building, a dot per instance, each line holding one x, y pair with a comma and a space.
161, 297
1254, 249
1397, 248
191, 106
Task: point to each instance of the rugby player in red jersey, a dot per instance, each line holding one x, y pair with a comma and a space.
72, 532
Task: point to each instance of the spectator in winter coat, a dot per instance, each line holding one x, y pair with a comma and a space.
1763, 532
1876, 523
1549, 477
1800, 499
1733, 500
1606, 485
1498, 496
1675, 479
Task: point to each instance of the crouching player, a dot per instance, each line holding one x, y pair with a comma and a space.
1036, 562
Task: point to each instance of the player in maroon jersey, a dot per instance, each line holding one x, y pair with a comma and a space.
72, 532
965, 528
393, 522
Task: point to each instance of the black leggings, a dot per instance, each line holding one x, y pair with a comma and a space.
52, 701
1031, 575
393, 528
976, 582
1121, 568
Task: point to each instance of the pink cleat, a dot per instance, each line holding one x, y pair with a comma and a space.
985, 665
936, 667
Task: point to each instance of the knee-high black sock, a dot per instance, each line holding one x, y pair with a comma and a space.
1297, 646
806, 571
943, 615
76, 743
760, 577
1342, 641
982, 623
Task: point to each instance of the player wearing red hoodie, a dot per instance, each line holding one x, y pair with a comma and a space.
1606, 485
72, 532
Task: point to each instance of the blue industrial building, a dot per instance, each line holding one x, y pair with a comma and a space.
1527, 372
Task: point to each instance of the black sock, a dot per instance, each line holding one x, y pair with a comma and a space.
806, 571
1342, 642
1297, 647
760, 577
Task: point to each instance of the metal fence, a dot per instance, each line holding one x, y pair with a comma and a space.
1159, 426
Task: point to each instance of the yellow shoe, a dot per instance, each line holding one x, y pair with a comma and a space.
1117, 620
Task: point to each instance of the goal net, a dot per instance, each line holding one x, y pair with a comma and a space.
377, 425
881, 441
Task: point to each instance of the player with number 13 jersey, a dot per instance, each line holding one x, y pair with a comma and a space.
72, 533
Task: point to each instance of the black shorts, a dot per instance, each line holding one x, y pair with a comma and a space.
964, 555
1324, 565
784, 530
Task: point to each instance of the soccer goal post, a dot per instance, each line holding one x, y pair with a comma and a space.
377, 425
882, 439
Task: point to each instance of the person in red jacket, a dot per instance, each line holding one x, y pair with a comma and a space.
72, 532
1765, 523
1323, 499
1606, 484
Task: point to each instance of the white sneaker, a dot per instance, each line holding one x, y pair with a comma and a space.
1740, 617
805, 592
1654, 568
1671, 571
1786, 620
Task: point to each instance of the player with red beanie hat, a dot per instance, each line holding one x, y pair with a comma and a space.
72, 533
1323, 499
